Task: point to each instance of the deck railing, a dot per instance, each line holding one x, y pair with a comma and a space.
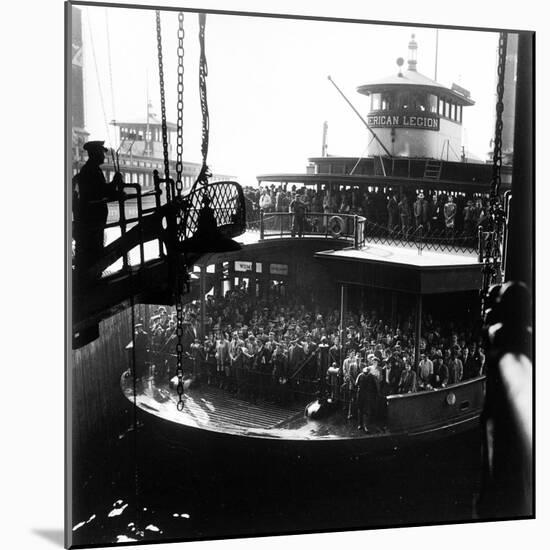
129, 210
423, 237
251, 381
134, 206
358, 230
264, 382
349, 227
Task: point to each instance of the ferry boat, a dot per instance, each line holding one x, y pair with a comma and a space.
417, 122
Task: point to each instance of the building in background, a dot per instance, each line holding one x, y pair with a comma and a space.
140, 150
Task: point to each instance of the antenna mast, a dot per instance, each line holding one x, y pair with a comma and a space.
436, 52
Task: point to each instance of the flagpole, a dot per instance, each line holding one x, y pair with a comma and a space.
147, 129
436, 51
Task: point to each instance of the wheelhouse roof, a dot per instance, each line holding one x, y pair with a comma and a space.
413, 80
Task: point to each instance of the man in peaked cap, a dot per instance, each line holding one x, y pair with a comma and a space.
89, 207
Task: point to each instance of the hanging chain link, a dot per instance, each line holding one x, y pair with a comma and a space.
181, 275
203, 73
497, 152
180, 284
179, 138
492, 253
162, 104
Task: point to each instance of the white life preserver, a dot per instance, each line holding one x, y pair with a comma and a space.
336, 226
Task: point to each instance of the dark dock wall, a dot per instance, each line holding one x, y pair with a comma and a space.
99, 411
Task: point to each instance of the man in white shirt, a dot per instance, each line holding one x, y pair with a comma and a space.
425, 373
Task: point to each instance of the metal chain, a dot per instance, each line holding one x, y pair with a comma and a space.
179, 138
163, 104
203, 73
492, 270
497, 152
179, 333
181, 268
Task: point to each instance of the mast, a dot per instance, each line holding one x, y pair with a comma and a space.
147, 128
324, 146
436, 52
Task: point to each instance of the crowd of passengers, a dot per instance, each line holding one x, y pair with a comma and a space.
288, 353
436, 213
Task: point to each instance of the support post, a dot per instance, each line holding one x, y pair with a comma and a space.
122, 221
342, 306
479, 244
417, 329
261, 225
203, 300
519, 254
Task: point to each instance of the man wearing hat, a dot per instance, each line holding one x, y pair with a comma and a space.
393, 212
368, 395
470, 220
298, 208
90, 209
420, 209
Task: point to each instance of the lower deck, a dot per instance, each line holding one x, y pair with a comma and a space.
214, 410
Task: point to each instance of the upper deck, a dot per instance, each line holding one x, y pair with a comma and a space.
414, 174
343, 248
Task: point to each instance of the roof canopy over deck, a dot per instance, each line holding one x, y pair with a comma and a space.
404, 269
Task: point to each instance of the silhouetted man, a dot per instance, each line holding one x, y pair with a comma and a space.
299, 210
90, 209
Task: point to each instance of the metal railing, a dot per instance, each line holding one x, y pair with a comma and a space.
246, 377
129, 210
358, 230
349, 227
142, 218
423, 238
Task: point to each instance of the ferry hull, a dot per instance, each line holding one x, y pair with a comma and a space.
415, 419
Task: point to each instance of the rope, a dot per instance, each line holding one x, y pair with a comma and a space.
203, 73
110, 72
361, 157
107, 132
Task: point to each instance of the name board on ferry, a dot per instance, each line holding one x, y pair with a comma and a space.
278, 269
423, 122
243, 266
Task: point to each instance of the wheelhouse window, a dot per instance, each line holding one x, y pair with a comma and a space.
387, 102
453, 111
419, 102
432, 103
375, 102
404, 100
